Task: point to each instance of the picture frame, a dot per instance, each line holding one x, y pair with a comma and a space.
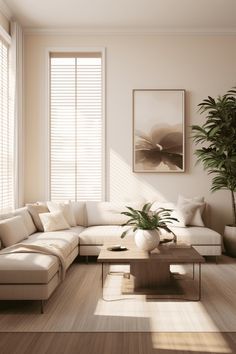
158, 130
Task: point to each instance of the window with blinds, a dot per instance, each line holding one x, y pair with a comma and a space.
76, 126
6, 133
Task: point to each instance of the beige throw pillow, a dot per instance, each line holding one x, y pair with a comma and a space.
54, 221
196, 219
66, 209
184, 214
35, 210
12, 231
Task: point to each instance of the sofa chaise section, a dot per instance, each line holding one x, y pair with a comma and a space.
28, 276
34, 275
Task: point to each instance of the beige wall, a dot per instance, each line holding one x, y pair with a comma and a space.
4, 22
202, 65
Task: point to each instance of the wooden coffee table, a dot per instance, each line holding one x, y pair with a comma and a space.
150, 272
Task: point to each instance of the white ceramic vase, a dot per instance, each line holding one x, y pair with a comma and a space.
147, 240
230, 240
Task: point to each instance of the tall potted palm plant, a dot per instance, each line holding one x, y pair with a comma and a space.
217, 137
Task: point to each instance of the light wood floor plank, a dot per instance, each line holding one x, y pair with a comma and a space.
117, 343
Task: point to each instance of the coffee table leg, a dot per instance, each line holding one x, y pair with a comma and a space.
102, 277
103, 281
199, 282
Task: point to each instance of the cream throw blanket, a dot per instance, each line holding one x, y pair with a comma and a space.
39, 247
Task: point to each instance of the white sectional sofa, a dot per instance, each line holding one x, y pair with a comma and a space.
33, 275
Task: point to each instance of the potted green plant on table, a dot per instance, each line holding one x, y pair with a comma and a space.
146, 224
217, 137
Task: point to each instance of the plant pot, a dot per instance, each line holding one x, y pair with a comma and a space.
230, 240
147, 240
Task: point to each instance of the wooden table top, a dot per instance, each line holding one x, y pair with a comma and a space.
168, 253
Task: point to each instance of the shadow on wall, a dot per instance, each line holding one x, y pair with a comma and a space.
123, 184
126, 185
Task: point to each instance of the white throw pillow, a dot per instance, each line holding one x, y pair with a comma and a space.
54, 221
196, 219
184, 214
65, 208
174, 213
12, 231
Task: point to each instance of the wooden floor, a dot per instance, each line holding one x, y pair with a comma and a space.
74, 307
117, 343
77, 306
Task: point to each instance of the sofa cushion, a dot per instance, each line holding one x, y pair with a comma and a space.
65, 208
64, 240
28, 221
97, 235
27, 268
76, 230
35, 210
12, 230
196, 235
108, 213
54, 221
80, 213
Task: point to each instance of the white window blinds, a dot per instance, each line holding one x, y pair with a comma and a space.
76, 126
6, 133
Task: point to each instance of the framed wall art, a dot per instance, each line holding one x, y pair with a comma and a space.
158, 130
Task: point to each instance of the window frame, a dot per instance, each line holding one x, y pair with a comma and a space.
5, 37
45, 155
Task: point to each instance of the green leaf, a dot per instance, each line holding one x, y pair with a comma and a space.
124, 233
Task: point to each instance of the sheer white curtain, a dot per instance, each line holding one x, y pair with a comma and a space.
16, 85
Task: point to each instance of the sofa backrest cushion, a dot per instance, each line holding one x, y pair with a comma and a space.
109, 213
80, 213
35, 210
12, 231
28, 221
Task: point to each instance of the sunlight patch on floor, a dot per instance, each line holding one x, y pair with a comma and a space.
172, 315
210, 342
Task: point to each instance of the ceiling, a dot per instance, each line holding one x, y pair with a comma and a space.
163, 15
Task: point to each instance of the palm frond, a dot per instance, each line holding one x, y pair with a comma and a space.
217, 137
